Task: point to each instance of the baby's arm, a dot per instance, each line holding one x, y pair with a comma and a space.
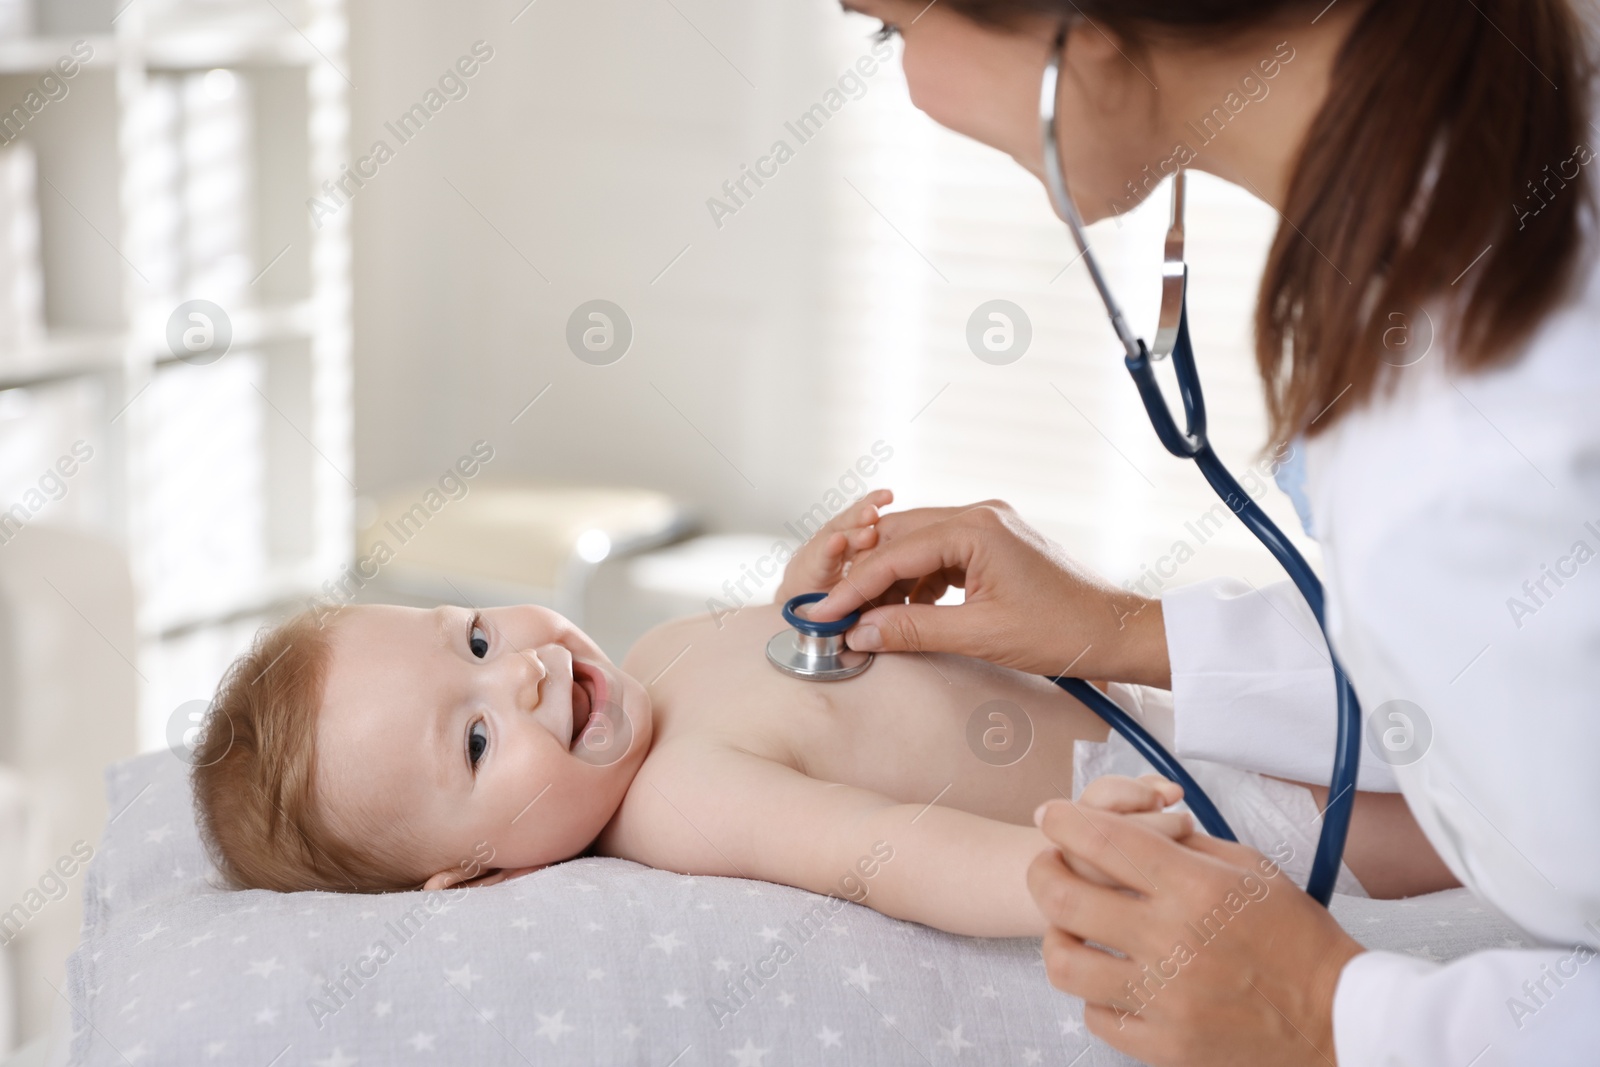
725, 812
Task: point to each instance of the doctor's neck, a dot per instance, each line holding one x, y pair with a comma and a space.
1240, 110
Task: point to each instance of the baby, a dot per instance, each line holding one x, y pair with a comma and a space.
399, 748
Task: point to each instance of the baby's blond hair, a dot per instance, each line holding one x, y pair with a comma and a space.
255, 770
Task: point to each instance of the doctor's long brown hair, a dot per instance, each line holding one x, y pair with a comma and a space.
1503, 85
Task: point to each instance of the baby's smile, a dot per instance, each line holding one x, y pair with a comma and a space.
588, 688
599, 725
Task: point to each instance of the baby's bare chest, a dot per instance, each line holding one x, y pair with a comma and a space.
916, 728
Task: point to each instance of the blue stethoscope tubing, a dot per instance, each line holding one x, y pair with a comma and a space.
1193, 443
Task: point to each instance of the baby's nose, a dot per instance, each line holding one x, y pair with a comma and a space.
539, 670
528, 679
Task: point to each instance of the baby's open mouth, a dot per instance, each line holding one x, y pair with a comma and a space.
588, 689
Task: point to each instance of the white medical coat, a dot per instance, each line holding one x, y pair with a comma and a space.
1459, 519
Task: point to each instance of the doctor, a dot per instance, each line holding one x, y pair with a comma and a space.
1427, 335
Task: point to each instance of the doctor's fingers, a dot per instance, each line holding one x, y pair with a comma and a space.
928, 550
1174, 824
1134, 854
1240, 857
1083, 971
1078, 907
900, 523
859, 516
929, 588
924, 590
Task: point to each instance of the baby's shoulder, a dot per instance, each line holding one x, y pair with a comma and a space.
728, 634
656, 647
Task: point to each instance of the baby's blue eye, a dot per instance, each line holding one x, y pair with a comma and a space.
478, 641
477, 743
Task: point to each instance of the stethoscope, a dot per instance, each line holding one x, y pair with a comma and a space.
1172, 339
816, 651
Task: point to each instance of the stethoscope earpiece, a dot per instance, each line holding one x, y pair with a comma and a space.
815, 651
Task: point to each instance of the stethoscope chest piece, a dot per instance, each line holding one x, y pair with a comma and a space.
815, 651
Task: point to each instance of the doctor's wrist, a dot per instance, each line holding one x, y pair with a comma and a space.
1139, 645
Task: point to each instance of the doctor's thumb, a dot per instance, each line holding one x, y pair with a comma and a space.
864, 638
902, 628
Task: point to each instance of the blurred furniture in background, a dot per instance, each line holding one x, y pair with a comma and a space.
714, 574
508, 543
174, 378
171, 304
17, 833
68, 690
731, 569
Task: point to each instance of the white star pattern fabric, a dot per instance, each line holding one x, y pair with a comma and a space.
592, 961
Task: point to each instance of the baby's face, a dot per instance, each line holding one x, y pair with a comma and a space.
456, 728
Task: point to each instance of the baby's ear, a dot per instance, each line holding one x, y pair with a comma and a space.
446, 879
443, 880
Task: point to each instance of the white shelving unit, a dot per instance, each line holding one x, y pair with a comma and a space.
176, 166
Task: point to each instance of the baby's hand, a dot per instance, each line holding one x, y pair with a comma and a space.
1143, 798
1118, 792
822, 561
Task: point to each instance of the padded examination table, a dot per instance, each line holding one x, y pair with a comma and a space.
596, 961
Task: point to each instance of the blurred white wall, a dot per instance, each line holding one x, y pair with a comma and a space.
770, 353
584, 152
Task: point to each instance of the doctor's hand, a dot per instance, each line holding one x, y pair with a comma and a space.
829, 554
1028, 604
1224, 960
1145, 799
